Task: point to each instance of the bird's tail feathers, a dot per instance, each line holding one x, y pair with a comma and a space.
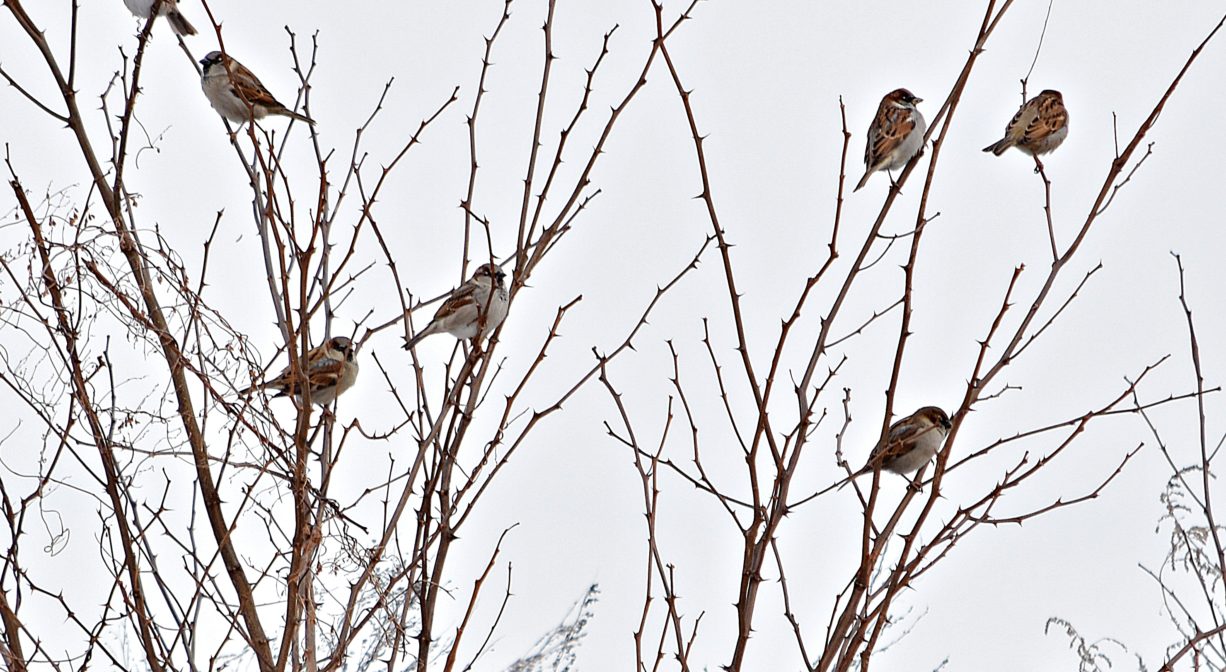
999, 146
294, 115
863, 180
179, 23
417, 338
282, 389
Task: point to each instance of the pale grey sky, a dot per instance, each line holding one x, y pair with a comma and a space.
767, 80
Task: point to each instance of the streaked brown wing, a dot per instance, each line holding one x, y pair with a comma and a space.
900, 439
894, 442
902, 430
889, 129
1050, 117
245, 85
325, 373
286, 381
1016, 124
459, 299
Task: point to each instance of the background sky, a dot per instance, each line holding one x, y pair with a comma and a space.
767, 80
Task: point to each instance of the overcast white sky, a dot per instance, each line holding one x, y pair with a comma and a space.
767, 79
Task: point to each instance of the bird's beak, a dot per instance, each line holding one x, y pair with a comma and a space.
946, 424
919, 100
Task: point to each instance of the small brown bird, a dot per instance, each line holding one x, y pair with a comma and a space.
483, 295
330, 369
896, 135
1039, 126
237, 94
168, 8
910, 444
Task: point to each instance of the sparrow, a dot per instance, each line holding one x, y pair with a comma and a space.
482, 297
1039, 126
330, 369
166, 8
896, 135
238, 95
910, 443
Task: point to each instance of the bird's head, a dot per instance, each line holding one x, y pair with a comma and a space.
491, 271
211, 59
343, 345
903, 98
934, 415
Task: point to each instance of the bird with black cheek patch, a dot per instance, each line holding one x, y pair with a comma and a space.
329, 369
481, 300
236, 93
911, 443
896, 135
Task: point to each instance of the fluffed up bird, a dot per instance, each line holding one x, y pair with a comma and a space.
910, 444
330, 369
896, 135
1039, 126
167, 8
482, 299
238, 95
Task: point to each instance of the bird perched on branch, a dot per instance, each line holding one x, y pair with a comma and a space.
329, 369
166, 8
910, 443
236, 93
481, 300
1039, 126
896, 135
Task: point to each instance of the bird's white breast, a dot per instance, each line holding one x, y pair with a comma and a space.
922, 451
217, 88
140, 8
348, 377
910, 144
497, 309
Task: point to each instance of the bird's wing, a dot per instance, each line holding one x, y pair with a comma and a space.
902, 431
463, 297
325, 372
895, 439
1022, 119
322, 370
901, 438
1049, 117
245, 85
891, 127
